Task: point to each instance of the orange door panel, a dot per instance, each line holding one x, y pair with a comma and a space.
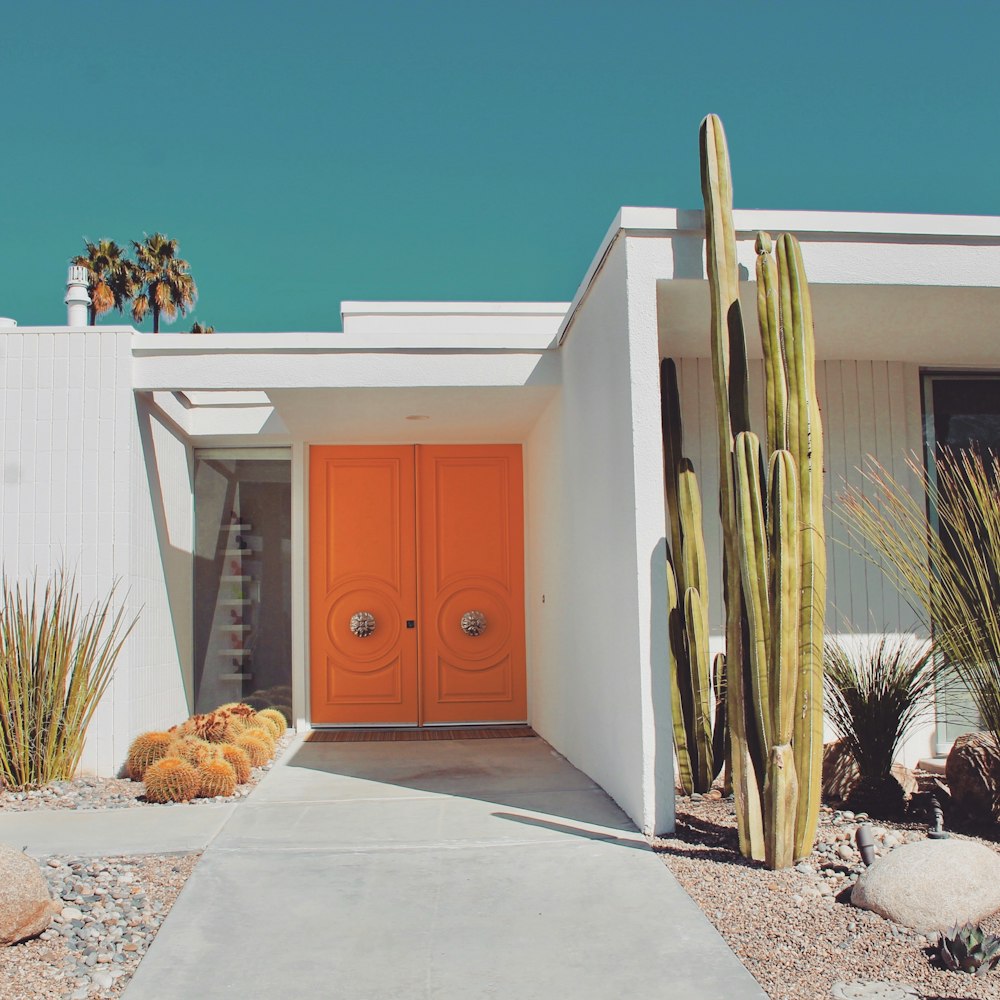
471, 580
363, 559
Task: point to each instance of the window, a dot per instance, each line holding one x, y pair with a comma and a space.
242, 578
961, 412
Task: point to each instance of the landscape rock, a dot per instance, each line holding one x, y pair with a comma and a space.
26, 906
932, 885
840, 772
972, 771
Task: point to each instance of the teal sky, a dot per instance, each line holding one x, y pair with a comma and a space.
304, 153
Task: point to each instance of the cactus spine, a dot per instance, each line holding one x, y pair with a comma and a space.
698, 756
774, 547
171, 779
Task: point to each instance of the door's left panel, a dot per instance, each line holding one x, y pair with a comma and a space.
362, 552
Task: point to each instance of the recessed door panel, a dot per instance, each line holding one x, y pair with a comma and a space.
416, 585
471, 566
363, 585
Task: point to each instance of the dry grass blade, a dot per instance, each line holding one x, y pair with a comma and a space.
951, 577
56, 662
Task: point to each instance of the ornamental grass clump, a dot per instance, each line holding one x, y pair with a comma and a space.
875, 690
949, 572
56, 662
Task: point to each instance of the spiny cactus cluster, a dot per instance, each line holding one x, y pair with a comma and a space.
207, 755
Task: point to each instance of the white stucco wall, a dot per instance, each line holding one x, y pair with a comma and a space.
594, 540
72, 496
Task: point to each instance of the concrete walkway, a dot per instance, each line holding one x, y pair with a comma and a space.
452, 870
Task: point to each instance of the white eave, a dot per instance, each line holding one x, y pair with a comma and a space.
861, 228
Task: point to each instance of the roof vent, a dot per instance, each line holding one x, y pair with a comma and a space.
77, 297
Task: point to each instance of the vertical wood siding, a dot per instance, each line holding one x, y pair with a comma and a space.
870, 408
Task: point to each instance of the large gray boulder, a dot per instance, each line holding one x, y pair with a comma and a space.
26, 906
932, 885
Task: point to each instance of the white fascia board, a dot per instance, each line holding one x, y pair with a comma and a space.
842, 225
430, 324
176, 369
146, 345
832, 227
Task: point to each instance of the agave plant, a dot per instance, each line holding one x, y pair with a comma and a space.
56, 661
969, 949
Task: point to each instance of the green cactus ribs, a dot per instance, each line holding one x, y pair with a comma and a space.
774, 552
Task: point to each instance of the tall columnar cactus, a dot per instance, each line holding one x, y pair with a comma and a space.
698, 756
775, 562
729, 369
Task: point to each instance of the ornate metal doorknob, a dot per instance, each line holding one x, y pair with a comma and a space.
362, 624
473, 623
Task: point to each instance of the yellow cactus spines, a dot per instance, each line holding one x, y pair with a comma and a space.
218, 777
267, 724
263, 732
256, 746
189, 747
171, 779
239, 760
277, 717
144, 750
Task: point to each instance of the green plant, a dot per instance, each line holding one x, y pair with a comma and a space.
56, 661
969, 949
163, 280
774, 568
111, 277
218, 777
952, 577
875, 690
698, 759
144, 749
171, 779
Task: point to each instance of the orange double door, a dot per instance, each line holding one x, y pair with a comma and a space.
416, 585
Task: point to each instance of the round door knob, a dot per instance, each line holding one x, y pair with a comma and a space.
362, 624
473, 623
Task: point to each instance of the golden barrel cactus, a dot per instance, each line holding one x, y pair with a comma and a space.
239, 760
218, 777
171, 779
257, 746
145, 749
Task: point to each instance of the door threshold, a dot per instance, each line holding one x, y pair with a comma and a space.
420, 735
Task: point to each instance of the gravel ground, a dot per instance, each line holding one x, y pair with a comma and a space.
112, 909
114, 793
791, 928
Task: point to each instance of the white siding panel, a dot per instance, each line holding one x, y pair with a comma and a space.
70, 499
869, 409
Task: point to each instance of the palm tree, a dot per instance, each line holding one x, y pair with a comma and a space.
110, 276
197, 327
164, 279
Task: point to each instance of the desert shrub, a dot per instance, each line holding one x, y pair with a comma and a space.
952, 575
875, 690
56, 662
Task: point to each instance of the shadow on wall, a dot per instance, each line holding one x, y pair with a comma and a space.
176, 562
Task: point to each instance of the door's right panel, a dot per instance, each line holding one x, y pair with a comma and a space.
470, 512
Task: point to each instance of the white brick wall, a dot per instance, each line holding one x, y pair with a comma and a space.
74, 494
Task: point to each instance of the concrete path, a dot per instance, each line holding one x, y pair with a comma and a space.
107, 832
452, 870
